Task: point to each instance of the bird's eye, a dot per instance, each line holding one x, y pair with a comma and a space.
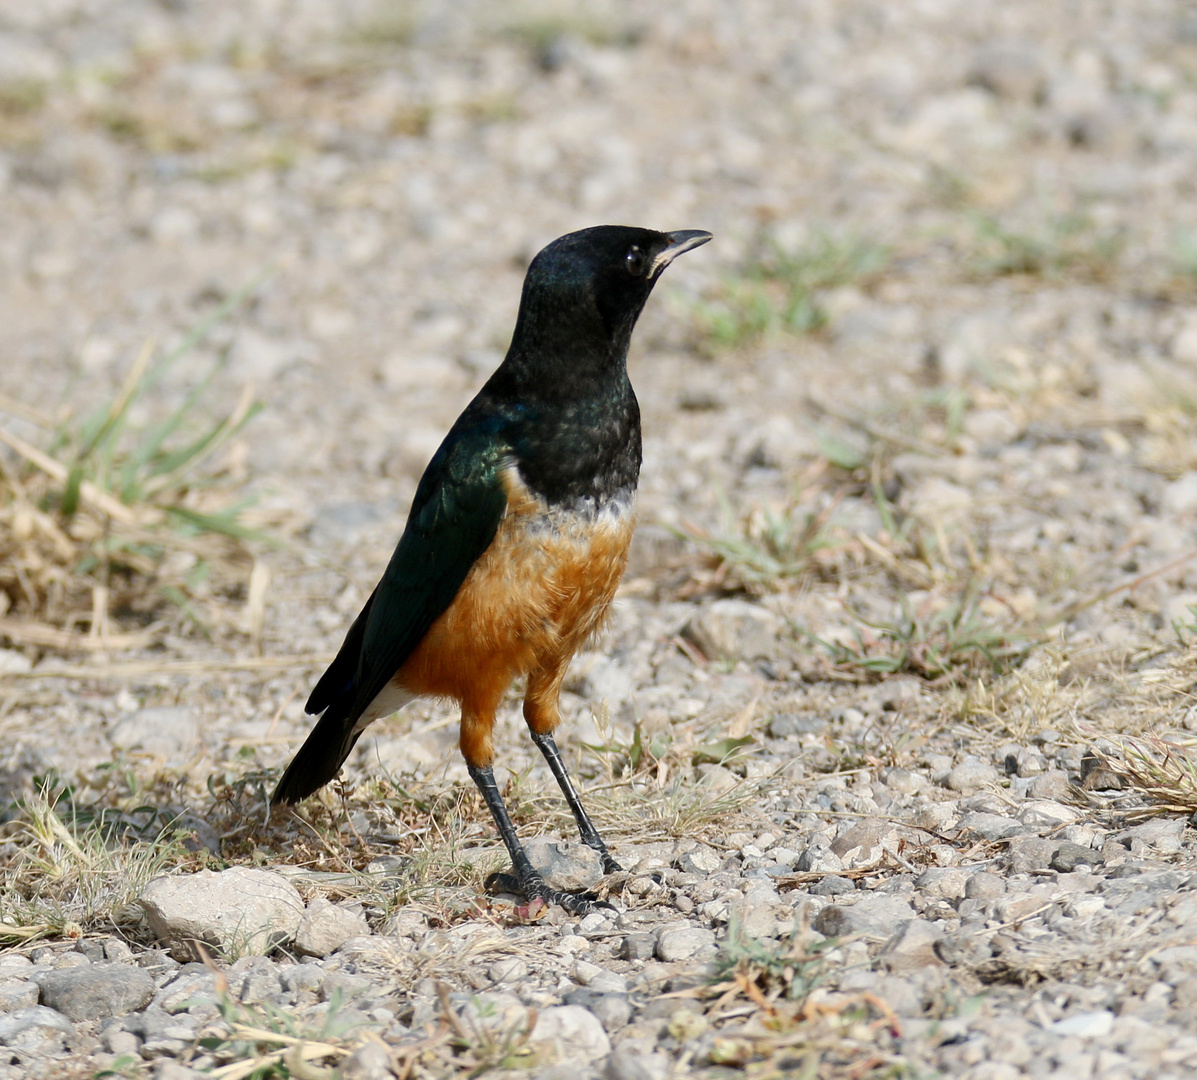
635, 262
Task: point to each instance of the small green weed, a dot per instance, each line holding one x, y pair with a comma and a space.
20, 96
124, 1067
789, 969
128, 516
540, 27
1183, 255
75, 869
262, 1041
640, 754
781, 290
1067, 244
391, 24
789, 1033
766, 550
951, 643
1162, 771
156, 466
1185, 627
490, 1039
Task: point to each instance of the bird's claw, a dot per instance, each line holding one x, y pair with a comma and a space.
534, 888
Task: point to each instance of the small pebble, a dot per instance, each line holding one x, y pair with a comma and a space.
683, 943
970, 776
984, 886
1068, 857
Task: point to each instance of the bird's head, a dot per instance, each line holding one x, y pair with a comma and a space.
583, 294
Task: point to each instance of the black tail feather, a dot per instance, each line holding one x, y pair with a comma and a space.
338, 680
320, 757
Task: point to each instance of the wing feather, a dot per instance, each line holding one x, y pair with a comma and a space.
454, 517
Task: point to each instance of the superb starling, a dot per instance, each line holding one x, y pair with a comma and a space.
518, 534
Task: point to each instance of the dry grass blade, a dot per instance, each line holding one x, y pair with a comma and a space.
27, 632
295, 1049
877, 432
265, 1040
675, 810
71, 869
17, 934
137, 669
1163, 772
949, 643
119, 516
794, 1026
25, 412
766, 550
1084, 603
88, 492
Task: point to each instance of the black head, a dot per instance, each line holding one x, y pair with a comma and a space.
582, 297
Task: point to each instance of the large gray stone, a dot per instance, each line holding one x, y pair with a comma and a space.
1010, 69
34, 1027
819, 860
626, 1064
985, 886
735, 630
1028, 853
18, 994
190, 986
96, 991
26, 66
1089, 1025
878, 915
241, 911
988, 826
13, 662
572, 1032
699, 859
1047, 812
565, 864
1162, 834
683, 942
971, 776
759, 910
862, 844
913, 947
325, 927
944, 882
370, 1061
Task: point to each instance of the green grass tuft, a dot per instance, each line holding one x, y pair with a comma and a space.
766, 550
954, 642
780, 290
1065, 245
75, 870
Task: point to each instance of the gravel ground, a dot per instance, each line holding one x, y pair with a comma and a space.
918, 502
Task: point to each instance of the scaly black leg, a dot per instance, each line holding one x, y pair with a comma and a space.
531, 884
586, 829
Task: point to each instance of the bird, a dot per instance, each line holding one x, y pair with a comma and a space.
517, 536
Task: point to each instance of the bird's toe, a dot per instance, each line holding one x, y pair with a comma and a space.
499, 882
534, 888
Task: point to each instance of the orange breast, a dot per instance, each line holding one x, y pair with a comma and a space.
536, 594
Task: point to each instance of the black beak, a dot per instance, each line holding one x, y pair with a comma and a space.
679, 244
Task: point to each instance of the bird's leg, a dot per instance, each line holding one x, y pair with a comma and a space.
542, 713
586, 829
531, 884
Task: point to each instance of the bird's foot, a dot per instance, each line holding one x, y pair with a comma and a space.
610, 866
533, 888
